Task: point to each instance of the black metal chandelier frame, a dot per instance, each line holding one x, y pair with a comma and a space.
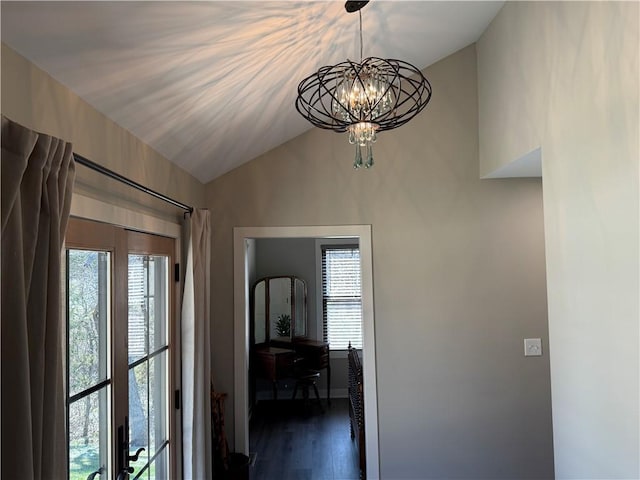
317, 94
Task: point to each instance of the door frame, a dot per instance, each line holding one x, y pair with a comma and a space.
89, 208
241, 310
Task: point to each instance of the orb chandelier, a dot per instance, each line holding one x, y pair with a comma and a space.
363, 98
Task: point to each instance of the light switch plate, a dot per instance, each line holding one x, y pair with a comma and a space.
532, 347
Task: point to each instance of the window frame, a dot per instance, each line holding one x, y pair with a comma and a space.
331, 242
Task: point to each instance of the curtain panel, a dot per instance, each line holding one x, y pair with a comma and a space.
37, 174
196, 349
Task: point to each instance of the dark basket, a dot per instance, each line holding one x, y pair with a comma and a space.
238, 467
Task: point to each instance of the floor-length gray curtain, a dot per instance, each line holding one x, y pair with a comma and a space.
37, 179
196, 350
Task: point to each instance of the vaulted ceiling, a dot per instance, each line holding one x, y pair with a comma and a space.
212, 85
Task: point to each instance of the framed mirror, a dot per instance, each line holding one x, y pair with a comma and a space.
300, 308
260, 315
279, 309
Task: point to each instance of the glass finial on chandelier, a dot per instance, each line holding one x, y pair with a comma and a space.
363, 134
357, 163
369, 162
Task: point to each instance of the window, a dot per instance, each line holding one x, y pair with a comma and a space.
148, 325
89, 373
118, 410
341, 296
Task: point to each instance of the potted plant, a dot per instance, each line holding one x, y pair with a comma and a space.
283, 325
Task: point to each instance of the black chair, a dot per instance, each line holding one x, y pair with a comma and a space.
306, 379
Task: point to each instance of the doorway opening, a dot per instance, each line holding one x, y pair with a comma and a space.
241, 331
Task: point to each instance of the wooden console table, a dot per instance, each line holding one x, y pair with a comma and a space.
276, 361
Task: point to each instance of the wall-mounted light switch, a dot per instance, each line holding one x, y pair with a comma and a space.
532, 347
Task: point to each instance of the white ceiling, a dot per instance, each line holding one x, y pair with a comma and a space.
212, 85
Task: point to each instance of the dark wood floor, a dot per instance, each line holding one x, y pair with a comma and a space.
294, 441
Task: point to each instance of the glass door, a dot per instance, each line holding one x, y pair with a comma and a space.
119, 349
88, 359
148, 354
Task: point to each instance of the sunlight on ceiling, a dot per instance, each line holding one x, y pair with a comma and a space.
212, 85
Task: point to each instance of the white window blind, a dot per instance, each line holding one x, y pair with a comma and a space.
341, 296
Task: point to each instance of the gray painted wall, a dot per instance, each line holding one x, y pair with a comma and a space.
459, 281
290, 256
563, 77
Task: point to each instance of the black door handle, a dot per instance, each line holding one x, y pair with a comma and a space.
92, 476
124, 473
123, 451
134, 457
